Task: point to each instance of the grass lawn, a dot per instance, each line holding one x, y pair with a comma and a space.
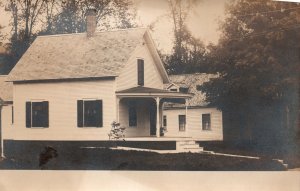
107, 159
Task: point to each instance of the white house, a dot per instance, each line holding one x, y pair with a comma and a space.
73, 86
194, 118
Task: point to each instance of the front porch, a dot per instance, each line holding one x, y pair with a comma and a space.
140, 111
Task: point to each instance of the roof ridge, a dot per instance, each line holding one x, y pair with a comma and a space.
97, 32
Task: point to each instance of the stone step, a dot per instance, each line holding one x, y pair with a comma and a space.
183, 144
186, 142
189, 146
192, 150
179, 143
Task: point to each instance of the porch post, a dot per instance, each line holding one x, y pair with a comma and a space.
117, 109
157, 118
1, 133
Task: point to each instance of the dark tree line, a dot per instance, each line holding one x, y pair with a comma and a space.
258, 60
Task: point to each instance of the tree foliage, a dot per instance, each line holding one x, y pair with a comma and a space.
257, 59
110, 14
25, 15
39, 17
188, 53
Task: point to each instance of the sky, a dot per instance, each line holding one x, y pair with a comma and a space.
202, 22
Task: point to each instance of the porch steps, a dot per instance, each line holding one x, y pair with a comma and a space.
188, 146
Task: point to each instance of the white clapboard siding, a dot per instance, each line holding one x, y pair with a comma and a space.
128, 76
194, 123
143, 120
62, 99
6, 122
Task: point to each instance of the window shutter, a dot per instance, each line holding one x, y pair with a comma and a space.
140, 72
46, 113
28, 114
12, 114
100, 118
79, 113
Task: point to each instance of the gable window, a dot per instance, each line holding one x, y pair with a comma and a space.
206, 124
183, 90
173, 90
140, 70
132, 114
198, 87
89, 113
37, 114
182, 122
165, 121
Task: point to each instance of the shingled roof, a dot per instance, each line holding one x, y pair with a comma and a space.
6, 89
72, 56
190, 81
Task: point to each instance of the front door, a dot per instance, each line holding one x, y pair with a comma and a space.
152, 116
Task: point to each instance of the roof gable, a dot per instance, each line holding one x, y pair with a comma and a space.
157, 60
192, 81
76, 56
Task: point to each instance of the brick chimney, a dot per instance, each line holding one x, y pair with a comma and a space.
91, 22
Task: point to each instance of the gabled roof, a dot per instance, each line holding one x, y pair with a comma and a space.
141, 91
191, 81
72, 56
6, 89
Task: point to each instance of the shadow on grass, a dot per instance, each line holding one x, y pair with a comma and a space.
107, 159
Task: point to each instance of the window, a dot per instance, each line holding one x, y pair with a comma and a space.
132, 116
206, 125
164, 120
181, 122
183, 90
140, 70
89, 113
173, 90
37, 114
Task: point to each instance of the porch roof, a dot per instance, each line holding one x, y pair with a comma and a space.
141, 91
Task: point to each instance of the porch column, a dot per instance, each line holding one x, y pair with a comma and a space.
157, 117
1, 133
117, 110
186, 116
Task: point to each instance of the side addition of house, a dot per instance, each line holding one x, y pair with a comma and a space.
194, 118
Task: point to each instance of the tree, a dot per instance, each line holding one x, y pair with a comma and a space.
110, 14
189, 53
257, 59
26, 15
39, 17
1, 35
188, 56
